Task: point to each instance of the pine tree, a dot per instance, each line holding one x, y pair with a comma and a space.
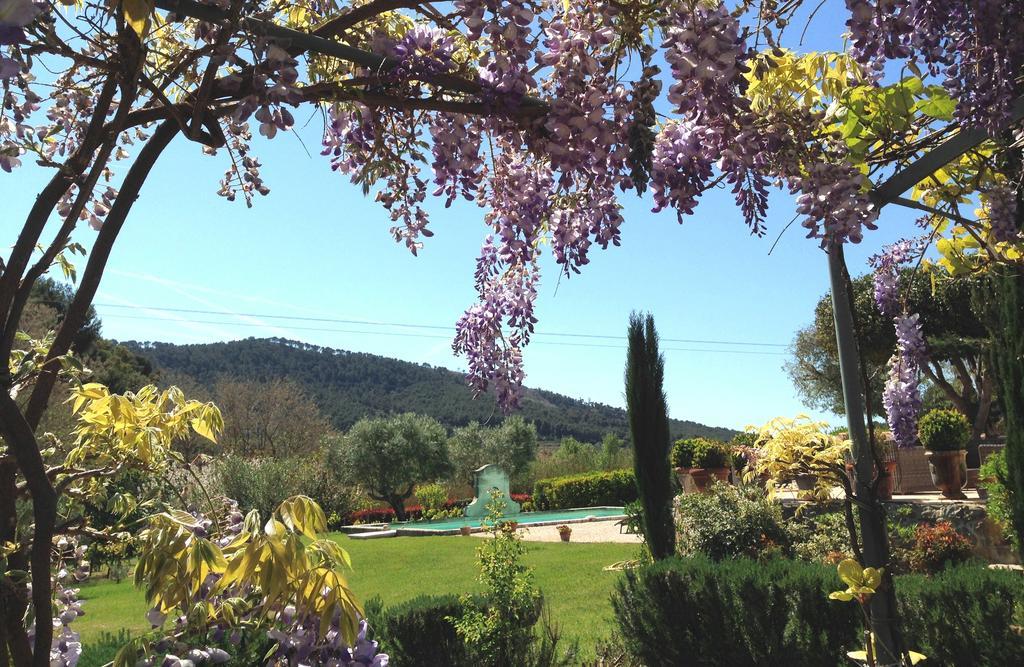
648, 422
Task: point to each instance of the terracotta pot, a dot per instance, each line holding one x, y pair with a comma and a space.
465, 530
949, 472
885, 488
702, 477
565, 536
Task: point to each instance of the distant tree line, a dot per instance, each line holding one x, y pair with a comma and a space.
348, 386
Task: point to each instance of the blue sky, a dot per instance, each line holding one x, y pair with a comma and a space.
316, 248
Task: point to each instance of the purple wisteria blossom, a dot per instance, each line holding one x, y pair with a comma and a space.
902, 395
422, 51
832, 197
1000, 207
886, 277
977, 46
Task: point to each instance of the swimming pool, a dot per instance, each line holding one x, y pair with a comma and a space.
546, 518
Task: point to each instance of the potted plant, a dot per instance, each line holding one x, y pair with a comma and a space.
944, 434
564, 532
795, 449
465, 530
710, 462
682, 459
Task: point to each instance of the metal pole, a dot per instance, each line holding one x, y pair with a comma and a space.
874, 542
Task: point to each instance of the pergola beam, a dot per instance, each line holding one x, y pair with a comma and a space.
891, 191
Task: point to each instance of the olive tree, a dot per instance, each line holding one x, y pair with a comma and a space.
388, 457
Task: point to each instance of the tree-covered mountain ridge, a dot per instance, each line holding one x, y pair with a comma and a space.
348, 386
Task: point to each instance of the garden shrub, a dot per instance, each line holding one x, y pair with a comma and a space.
452, 508
742, 613
710, 454
730, 521
421, 631
617, 487
432, 496
682, 453
262, 484
943, 430
937, 546
963, 616
992, 476
822, 538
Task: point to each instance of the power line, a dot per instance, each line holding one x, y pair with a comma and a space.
271, 316
424, 335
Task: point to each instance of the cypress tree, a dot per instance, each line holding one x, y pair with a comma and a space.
1005, 306
648, 423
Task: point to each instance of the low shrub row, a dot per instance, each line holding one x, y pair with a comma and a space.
740, 612
386, 514
616, 487
694, 611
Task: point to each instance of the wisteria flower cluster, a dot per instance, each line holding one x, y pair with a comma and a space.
887, 265
72, 569
976, 45
902, 396
831, 196
999, 206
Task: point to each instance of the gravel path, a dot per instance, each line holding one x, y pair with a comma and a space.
593, 531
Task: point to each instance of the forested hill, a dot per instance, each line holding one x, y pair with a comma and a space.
350, 385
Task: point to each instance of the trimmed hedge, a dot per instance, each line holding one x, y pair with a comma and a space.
418, 632
741, 613
695, 612
963, 616
591, 489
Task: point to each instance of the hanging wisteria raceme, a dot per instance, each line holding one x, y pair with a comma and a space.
506, 299
680, 167
976, 45
423, 51
458, 165
833, 200
507, 26
902, 396
887, 265
73, 569
999, 206
708, 58
583, 134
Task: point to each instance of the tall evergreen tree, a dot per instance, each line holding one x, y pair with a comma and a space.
1005, 306
648, 422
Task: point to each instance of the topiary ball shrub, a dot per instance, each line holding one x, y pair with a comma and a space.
730, 522
943, 431
710, 454
682, 453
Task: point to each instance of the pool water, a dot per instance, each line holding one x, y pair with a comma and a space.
446, 526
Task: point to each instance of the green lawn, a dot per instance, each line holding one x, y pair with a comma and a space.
570, 575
